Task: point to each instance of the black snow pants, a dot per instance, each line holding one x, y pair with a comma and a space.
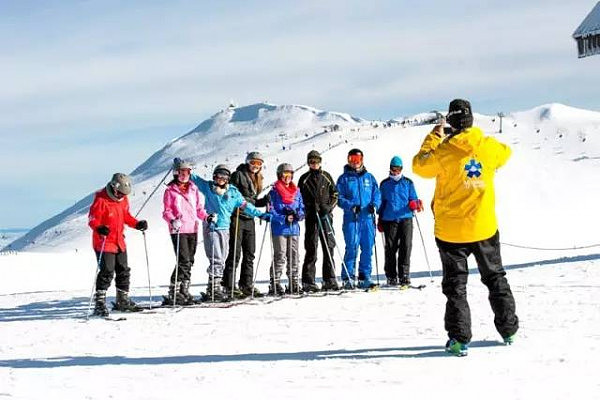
398, 246
312, 237
245, 246
112, 263
187, 250
457, 319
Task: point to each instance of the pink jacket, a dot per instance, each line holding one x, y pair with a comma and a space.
186, 207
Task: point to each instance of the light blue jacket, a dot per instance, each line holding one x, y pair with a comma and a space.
223, 205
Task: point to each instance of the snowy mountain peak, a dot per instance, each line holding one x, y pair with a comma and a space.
559, 113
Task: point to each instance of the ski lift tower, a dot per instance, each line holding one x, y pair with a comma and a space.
587, 34
501, 115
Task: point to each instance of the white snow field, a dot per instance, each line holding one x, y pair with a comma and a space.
386, 343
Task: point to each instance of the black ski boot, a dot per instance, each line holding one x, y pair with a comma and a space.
187, 298
294, 287
249, 291
310, 288
100, 309
275, 289
214, 291
330, 284
124, 303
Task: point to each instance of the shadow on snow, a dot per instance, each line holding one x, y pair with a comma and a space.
343, 354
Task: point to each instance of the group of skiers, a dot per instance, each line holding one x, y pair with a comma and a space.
462, 160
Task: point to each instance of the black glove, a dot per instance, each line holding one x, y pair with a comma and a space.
141, 225
323, 210
211, 219
356, 209
103, 230
265, 217
371, 208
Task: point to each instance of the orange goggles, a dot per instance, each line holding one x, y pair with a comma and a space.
355, 158
255, 163
287, 173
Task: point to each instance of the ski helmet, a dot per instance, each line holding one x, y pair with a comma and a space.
254, 155
179, 163
222, 169
285, 167
460, 114
355, 152
313, 155
120, 183
396, 162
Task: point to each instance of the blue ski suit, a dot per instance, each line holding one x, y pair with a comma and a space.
358, 188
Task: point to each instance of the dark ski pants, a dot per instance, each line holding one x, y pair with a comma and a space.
454, 285
244, 247
187, 250
398, 246
314, 234
112, 263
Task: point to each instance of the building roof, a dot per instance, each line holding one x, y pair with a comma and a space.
591, 23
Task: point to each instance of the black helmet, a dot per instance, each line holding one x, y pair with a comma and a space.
120, 183
313, 155
222, 169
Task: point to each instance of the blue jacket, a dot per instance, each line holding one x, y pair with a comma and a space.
279, 223
357, 188
395, 196
223, 205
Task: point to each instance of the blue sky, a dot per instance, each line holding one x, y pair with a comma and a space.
92, 87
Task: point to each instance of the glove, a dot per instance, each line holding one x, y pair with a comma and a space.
176, 224
212, 218
371, 208
415, 205
265, 217
141, 225
323, 210
103, 230
356, 209
379, 225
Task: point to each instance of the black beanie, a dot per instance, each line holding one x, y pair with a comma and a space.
354, 152
460, 114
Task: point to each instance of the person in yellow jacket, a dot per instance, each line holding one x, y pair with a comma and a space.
463, 162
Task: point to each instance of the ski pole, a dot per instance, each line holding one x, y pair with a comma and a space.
259, 257
338, 251
375, 245
152, 194
147, 268
176, 284
424, 249
273, 262
325, 242
212, 263
235, 250
87, 315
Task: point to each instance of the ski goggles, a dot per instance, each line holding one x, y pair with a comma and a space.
396, 169
355, 158
314, 161
287, 174
219, 175
255, 163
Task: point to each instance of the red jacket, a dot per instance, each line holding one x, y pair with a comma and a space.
113, 214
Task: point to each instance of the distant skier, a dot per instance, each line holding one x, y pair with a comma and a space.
221, 199
183, 209
360, 198
286, 209
248, 179
398, 202
107, 216
320, 197
464, 161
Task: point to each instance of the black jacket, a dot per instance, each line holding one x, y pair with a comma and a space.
242, 181
318, 192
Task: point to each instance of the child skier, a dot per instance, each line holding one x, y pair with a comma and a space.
182, 211
287, 209
221, 199
107, 216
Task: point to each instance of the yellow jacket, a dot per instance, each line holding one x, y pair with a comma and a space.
464, 167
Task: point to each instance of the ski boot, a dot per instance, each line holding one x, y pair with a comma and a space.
457, 348
392, 281
250, 291
509, 340
124, 303
100, 309
235, 294
348, 284
174, 296
187, 297
214, 292
330, 284
275, 289
310, 288
404, 283
294, 287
